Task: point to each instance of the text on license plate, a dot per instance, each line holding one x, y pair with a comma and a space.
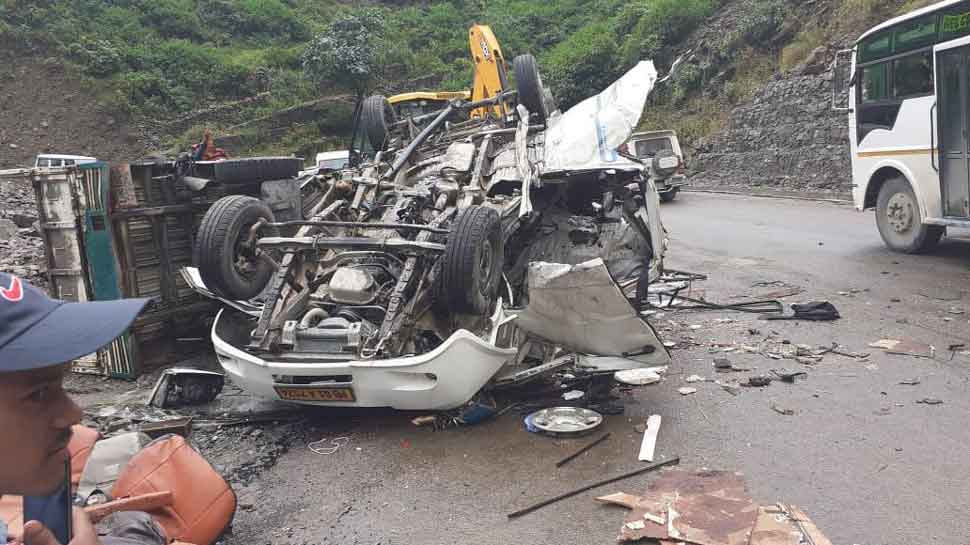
315, 394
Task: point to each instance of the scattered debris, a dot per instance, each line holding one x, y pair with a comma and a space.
686, 391
178, 426
930, 401
649, 443
723, 363
695, 378
782, 410
783, 524
813, 311
572, 456
904, 347
573, 395
732, 389
641, 471
706, 507
326, 446
180, 386
757, 381
955, 347
911, 382
563, 421
789, 376
640, 377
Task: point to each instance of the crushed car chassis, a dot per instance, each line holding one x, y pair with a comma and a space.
406, 285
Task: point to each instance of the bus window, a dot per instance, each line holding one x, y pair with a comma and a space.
913, 75
43, 162
919, 33
876, 47
875, 82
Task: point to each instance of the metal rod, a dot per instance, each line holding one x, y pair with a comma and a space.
640, 471
360, 224
406, 153
359, 243
572, 456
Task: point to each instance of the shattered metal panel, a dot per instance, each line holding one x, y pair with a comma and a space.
583, 309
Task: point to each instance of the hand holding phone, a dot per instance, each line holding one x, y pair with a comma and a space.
35, 533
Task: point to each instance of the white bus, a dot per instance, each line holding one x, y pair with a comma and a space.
909, 117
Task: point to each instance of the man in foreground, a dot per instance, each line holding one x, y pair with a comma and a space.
39, 337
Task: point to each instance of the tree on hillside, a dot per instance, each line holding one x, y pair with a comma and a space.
350, 51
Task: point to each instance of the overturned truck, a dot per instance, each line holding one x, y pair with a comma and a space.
421, 271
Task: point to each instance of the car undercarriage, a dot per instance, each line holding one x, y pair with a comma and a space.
404, 284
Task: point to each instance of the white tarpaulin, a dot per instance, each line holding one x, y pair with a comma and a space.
587, 135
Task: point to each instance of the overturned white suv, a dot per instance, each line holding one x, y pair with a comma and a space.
423, 269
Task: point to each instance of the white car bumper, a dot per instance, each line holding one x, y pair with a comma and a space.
444, 378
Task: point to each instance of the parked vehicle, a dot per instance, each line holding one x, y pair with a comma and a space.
660, 150
908, 111
48, 160
333, 160
420, 272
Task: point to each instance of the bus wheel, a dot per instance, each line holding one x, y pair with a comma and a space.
900, 222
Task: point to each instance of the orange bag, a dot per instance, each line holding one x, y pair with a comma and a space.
79, 448
203, 504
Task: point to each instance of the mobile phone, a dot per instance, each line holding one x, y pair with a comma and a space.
53, 511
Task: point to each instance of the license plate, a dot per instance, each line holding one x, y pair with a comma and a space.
315, 394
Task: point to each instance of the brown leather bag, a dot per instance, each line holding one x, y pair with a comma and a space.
202, 505
79, 448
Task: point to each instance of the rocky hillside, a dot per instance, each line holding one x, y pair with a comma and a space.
762, 117
750, 104
43, 109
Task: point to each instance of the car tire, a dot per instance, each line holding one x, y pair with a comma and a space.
471, 268
256, 169
528, 84
900, 222
223, 267
376, 118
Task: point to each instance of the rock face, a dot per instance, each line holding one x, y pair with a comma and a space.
8, 229
21, 247
787, 137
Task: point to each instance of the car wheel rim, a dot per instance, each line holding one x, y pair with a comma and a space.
900, 213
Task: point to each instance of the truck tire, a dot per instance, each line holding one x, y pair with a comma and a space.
376, 118
256, 169
226, 266
471, 269
900, 222
528, 84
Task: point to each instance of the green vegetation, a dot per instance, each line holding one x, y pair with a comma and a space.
161, 59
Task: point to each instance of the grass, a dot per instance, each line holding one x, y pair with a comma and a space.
799, 49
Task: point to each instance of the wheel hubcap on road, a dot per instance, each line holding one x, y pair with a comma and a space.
900, 212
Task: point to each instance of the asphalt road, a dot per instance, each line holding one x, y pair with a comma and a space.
860, 455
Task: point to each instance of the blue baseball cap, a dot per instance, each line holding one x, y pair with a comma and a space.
37, 331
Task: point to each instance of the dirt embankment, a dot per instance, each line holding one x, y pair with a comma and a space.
45, 109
